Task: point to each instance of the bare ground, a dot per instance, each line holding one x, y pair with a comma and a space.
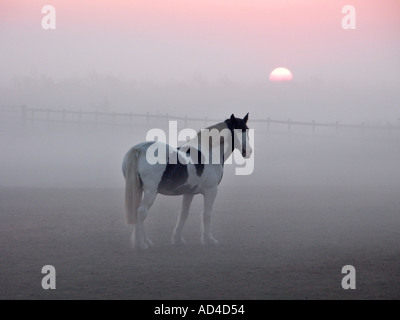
276, 243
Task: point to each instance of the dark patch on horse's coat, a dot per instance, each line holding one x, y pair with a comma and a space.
200, 165
185, 190
174, 179
199, 169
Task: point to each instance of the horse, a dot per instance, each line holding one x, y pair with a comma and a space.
145, 177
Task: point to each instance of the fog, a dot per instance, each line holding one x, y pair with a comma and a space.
314, 203
324, 191
68, 154
204, 57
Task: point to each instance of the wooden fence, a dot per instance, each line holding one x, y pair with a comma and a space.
31, 115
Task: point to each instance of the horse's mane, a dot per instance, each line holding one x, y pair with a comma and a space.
214, 145
219, 127
213, 142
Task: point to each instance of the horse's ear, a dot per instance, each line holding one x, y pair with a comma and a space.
246, 118
233, 118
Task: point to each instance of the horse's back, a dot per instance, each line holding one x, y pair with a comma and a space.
174, 178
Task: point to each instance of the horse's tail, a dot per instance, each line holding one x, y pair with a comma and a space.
133, 186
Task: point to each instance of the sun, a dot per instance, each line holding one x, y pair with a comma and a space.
280, 75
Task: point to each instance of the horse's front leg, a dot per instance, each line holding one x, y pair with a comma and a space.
206, 235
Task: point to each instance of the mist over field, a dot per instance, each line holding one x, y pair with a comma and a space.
304, 100
324, 190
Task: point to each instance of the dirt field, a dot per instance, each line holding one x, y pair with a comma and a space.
81, 232
312, 206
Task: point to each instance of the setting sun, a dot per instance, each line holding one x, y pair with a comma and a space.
280, 74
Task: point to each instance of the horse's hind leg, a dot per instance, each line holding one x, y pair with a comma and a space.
140, 239
177, 235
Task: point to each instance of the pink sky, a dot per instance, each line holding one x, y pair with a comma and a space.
241, 39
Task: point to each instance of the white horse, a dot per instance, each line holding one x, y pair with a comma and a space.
145, 178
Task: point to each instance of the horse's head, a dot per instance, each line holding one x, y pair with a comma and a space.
240, 134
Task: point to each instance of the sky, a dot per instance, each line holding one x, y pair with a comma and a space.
208, 41
176, 39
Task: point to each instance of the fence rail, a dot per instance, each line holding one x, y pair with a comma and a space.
30, 115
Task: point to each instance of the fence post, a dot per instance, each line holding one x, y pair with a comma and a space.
32, 117
23, 115
389, 125
80, 119
96, 118
48, 117
147, 119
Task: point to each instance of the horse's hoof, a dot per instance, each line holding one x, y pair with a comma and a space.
209, 242
178, 241
148, 242
140, 246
